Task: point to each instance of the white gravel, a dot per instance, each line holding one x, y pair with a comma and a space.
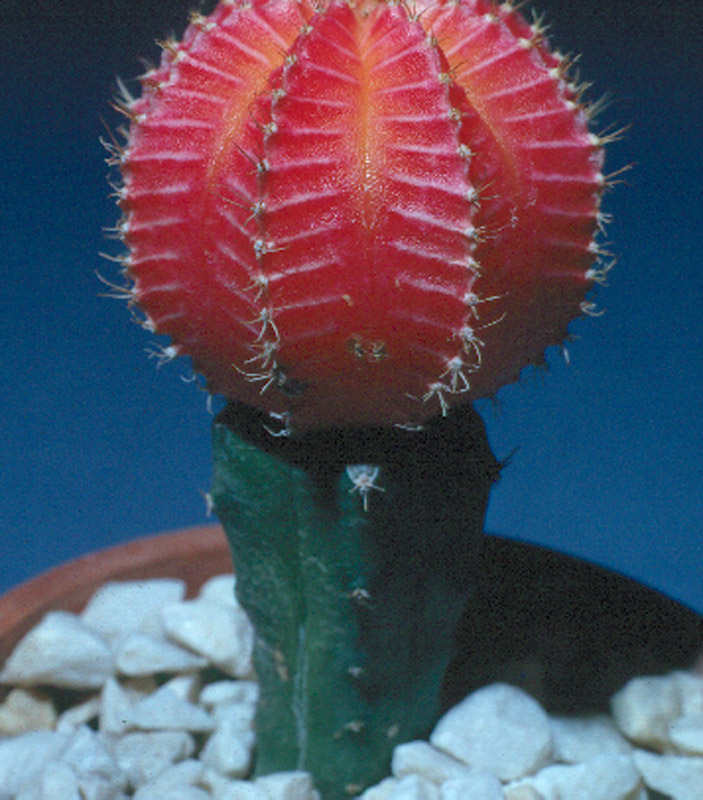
138, 733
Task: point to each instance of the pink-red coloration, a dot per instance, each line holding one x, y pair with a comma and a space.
360, 212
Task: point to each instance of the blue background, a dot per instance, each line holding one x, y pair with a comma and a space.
97, 446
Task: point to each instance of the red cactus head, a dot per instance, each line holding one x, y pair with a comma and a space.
360, 212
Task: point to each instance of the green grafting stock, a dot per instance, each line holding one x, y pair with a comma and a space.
354, 580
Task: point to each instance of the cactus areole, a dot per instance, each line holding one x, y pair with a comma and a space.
360, 213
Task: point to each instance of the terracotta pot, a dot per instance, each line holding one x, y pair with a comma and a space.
191, 554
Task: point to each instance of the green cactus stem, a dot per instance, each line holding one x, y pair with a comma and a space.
353, 552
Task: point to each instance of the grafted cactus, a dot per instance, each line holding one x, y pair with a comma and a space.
356, 218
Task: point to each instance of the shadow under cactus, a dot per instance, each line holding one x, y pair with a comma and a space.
569, 632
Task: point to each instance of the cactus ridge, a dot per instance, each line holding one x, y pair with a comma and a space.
360, 213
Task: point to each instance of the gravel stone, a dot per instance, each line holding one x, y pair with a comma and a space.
686, 734
175, 783
522, 792
288, 786
690, 689
220, 589
224, 789
611, 777
413, 787
142, 654
88, 756
165, 710
381, 791
217, 631
116, 704
498, 727
61, 651
479, 784
142, 757
230, 749
78, 715
56, 782
577, 739
123, 607
420, 758
26, 710
226, 692
678, 777
644, 709
186, 686
23, 758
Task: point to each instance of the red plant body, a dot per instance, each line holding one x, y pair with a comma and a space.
360, 213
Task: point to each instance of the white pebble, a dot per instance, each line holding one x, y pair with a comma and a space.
240, 715
175, 783
97, 772
225, 789
186, 686
611, 777
142, 757
420, 758
56, 782
221, 633
174, 793
288, 786
578, 739
644, 709
26, 710
142, 654
479, 784
500, 728
165, 710
60, 651
686, 734
123, 607
23, 758
219, 589
116, 704
522, 792
413, 787
87, 754
690, 689
381, 791
678, 777
75, 716
226, 692
94, 788
229, 750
